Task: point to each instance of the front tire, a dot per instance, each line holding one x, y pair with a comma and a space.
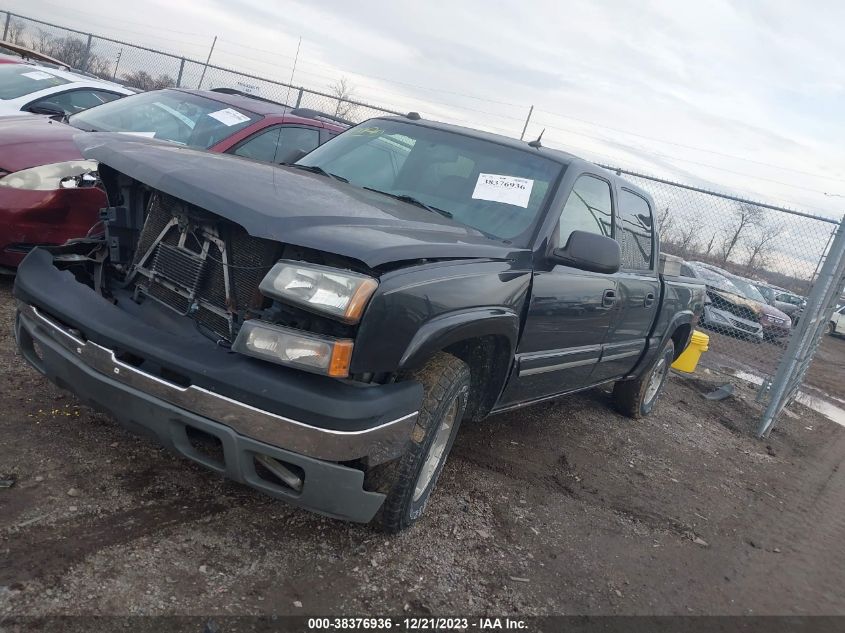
637, 398
410, 480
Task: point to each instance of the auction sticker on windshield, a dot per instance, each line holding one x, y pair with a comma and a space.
229, 117
507, 189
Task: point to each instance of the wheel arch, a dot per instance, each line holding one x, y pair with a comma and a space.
484, 338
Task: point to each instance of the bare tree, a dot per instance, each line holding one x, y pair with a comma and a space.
71, 50
709, 248
760, 246
343, 90
16, 33
687, 239
40, 41
746, 217
665, 222
145, 81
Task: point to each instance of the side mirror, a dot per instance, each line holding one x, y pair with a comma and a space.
589, 251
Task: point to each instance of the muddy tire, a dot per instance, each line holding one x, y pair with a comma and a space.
637, 398
831, 328
409, 481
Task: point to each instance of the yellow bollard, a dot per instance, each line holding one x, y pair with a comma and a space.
689, 359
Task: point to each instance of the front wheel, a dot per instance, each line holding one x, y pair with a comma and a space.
409, 481
637, 398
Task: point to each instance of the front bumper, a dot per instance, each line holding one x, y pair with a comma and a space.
725, 322
142, 401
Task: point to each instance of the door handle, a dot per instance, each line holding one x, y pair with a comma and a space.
649, 299
608, 298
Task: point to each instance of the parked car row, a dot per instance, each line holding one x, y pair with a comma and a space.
27, 89
41, 199
736, 306
326, 305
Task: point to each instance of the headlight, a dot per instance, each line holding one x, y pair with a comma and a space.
319, 354
718, 316
69, 175
339, 293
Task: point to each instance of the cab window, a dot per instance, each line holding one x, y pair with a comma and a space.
635, 239
588, 208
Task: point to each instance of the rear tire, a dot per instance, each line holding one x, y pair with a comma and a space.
410, 480
637, 398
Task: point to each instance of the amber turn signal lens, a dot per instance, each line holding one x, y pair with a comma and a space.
341, 358
359, 300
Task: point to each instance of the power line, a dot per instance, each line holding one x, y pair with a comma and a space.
99, 16
692, 147
385, 79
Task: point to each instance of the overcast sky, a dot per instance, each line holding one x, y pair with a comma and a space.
747, 96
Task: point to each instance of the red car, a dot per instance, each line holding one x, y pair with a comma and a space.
44, 194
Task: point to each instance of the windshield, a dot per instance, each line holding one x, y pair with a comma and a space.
749, 290
168, 115
716, 280
17, 80
496, 189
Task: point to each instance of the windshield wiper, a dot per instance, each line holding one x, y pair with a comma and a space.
412, 200
314, 169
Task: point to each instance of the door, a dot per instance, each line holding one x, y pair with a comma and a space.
638, 288
569, 311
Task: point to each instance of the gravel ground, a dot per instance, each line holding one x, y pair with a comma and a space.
562, 508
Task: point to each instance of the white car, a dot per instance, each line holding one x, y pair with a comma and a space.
32, 89
837, 322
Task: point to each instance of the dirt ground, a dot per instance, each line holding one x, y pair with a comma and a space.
563, 508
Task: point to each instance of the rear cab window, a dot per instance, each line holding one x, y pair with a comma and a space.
636, 231
18, 80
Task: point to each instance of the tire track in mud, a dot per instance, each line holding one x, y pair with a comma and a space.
560, 478
48, 552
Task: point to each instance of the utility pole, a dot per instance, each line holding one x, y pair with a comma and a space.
117, 63
208, 59
525, 127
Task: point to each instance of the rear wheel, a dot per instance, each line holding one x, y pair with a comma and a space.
410, 480
637, 398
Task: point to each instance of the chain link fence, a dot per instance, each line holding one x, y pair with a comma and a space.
773, 274
149, 69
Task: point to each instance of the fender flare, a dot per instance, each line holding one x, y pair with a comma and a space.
453, 327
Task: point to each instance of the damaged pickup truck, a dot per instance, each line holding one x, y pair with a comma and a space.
319, 331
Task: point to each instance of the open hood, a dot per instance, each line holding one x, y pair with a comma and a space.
293, 206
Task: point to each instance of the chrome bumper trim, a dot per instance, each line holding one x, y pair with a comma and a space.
380, 443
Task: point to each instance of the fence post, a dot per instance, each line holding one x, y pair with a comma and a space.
181, 70
806, 336
6, 28
298, 98
87, 54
